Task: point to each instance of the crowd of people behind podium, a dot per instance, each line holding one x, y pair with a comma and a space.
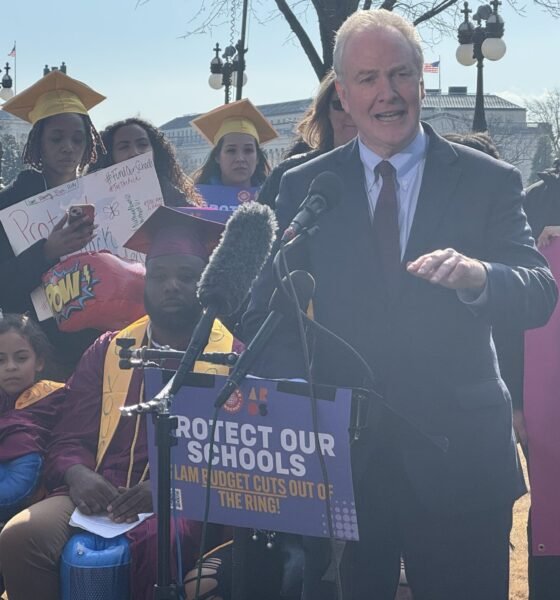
54, 385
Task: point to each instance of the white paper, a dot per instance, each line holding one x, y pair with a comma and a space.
41, 304
103, 526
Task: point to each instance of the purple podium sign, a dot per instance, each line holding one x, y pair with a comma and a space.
265, 470
221, 201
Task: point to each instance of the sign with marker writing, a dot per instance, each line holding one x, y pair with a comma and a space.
266, 472
124, 196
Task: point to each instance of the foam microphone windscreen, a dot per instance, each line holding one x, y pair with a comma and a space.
238, 259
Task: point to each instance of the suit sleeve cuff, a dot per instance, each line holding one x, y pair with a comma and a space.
476, 299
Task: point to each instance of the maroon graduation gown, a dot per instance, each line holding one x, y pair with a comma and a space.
75, 441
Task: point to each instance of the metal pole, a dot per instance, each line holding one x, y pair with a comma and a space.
479, 120
165, 424
15, 68
1, 158
227, 81
241, 50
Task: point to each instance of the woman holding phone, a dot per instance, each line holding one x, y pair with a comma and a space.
60, 145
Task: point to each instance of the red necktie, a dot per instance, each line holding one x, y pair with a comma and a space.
386, 223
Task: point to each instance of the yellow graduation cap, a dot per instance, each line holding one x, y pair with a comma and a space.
54, 94
237, 117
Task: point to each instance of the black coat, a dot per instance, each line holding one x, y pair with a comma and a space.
542, 202
542, 207
21, 274
433, 355
271, 186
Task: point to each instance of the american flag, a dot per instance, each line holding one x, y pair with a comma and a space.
13, 52
431, 67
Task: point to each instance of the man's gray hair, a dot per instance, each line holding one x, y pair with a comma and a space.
370, 20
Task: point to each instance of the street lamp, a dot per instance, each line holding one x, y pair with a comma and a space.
232, 71
478, 43
225, 73
6, 91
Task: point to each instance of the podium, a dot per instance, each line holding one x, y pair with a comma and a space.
266, 472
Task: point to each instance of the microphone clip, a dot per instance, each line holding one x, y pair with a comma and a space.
159, 405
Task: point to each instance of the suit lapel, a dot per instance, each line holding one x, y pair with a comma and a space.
439, 181
352, 172
357, 219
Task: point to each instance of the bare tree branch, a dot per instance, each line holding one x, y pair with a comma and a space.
551, 6
304, 40
217, 13
434, 11
438, 19
330, 16
547, 110
388, 4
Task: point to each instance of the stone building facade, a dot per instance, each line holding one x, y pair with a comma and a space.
447, 112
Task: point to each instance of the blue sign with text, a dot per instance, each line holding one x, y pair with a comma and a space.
265, 471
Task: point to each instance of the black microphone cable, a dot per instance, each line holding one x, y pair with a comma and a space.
304, 291
207, 492
440, 442
302, 319
314, 418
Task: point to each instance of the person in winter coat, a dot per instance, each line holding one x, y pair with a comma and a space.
60, 145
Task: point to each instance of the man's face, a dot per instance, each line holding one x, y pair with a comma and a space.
170, 292
382, 89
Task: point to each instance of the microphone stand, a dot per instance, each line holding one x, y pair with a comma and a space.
165, 425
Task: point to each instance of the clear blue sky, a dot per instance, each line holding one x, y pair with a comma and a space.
138, 59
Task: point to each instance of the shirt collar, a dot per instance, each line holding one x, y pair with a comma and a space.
403, 161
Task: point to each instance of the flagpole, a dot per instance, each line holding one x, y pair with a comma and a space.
439, 73
15, 68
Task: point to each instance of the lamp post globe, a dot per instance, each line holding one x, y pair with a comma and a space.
478, 43
215, 81
465, 55
493, 48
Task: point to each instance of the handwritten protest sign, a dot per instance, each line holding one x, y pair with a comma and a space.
265, 471
124, 196
541, 407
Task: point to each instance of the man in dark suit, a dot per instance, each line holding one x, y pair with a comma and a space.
413, 268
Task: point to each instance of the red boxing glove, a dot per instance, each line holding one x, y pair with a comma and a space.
95, 289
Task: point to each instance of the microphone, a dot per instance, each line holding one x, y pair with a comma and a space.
225, 282
280, 306
324, 194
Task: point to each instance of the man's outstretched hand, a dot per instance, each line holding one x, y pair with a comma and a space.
450, 269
